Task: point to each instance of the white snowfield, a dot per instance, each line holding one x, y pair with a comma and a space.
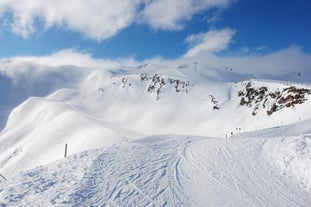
173, 171
218, 153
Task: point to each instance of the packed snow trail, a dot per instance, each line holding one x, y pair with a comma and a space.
141, 173
237, 171
165, 171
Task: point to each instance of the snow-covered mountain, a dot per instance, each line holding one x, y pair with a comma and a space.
259, 153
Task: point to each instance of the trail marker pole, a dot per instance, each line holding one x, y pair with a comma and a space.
195, 66
65, 151
3, 176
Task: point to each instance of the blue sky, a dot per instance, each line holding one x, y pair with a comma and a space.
141, 29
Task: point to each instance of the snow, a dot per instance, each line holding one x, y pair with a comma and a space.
168, 171
116, 126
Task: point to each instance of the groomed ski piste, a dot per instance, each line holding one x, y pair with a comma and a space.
152, 136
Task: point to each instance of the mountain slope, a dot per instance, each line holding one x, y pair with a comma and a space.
100, 108
177, 171
259, 153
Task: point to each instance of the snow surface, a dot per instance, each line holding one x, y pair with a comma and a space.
218, 153
173, 171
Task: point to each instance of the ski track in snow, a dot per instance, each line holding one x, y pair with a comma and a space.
129, 180
239, 175
160, 171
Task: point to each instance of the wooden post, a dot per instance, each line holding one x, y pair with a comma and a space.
3, 176
65, 150
195, 66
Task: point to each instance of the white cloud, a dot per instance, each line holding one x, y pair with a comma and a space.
100, 19
172, 14
212, 41
76, 58
96, 19
244, 50
288, 60
261, 48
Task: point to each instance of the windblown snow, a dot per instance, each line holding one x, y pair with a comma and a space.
152, 136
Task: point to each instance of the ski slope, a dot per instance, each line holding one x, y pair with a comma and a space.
151, 135
174, 171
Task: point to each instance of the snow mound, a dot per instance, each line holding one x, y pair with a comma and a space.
292, 158
38, 130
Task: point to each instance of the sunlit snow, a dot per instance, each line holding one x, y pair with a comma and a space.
152, 135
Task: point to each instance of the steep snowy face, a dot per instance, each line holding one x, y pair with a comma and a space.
87, 108
21, 80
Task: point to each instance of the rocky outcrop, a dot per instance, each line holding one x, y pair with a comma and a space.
271, 100
157, 83
214, 102
126, 82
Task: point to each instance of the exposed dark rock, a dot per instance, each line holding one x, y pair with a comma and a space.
125, 82
215, 102
157, 82
273, 101
216, 108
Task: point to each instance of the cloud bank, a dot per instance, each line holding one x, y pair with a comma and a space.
288, 60
203, 48
100, 19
